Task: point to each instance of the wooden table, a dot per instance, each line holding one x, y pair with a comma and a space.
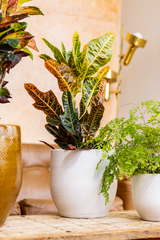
117, 225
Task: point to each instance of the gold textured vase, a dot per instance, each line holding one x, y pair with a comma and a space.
10, 168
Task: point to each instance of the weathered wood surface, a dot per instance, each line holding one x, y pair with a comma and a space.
117, 225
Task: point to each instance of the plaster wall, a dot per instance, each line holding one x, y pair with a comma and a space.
91, 19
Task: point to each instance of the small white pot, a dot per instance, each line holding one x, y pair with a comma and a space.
76, 184
146, 196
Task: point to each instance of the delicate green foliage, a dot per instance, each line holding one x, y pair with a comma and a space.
137, 143
75, 126
14, 40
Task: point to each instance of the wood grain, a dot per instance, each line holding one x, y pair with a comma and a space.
117, 225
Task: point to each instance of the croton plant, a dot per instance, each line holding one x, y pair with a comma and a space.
76, 72
14, 40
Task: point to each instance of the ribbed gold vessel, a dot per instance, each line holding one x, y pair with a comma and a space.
10, 168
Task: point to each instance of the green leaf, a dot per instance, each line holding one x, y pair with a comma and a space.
12, 19
13, 42
53, 121
70, 118
19, 26
99, 52
68, 55
91, 87
17, 35
0, 17
66, 78
90, 127
21, 2
57, 54
4, 5
83, 117
9, 57
28, 11
47, 102
76, 50
83, 71
4, 92
98, 98
64, 53
29, 52
45, 57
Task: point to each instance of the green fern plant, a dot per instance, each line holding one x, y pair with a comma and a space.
72, 126
136, 144
14, 40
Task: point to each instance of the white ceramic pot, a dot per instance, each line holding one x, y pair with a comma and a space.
146, 196
76, 184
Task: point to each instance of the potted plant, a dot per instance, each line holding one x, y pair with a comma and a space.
75, 183
137, 156
14, 41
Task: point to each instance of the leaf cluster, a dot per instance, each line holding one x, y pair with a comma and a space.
76, 72
136, 142
14, 40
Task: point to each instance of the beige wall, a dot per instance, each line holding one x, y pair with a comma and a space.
91, 19
141, 79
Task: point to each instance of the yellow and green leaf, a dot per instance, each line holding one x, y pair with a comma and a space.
45, 57
17, 35
69, 119
30, 54
28, 11
21, 2
64, 74
57, 53
90, 127
99, 52
12, 19
4, 5
47, 102
82, 117
91, 87
98, 98
76, 50
63, 50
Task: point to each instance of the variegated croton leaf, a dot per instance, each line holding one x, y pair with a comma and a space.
57, 54
69, 119
99, 52
91, 125
98, 98
4, 93
91, 87
47, 102
64, 74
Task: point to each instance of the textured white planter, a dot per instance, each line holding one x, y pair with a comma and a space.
76, 184
146, 196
